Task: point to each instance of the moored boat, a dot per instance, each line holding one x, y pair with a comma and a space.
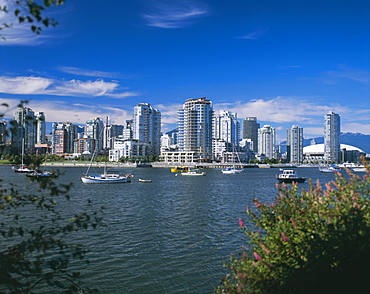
289, 176
193, 172
179, 169
329, 169
106, 178
44, 174
232, 170
145, 181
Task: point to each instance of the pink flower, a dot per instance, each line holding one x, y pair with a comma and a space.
241, 223
285, 239
256, 256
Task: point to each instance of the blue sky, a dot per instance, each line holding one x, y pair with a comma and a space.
286, 62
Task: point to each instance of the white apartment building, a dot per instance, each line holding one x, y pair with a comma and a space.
195, 127
266, 141
226, 133
332, 137
128, 148
295, 144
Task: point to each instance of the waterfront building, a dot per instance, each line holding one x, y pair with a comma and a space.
25, 130
250, 128
266, 141
128, 148
93, 130
3, 133
85, 146
195, 127
111, 131
294, 144
146, 126
63, 136
40, 128
180, 157
332, 137
226, 133
174, 135
314, 153
127, 130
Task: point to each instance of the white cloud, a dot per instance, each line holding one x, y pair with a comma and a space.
17, 34
282, 110
170, 14
43, 86
356, 128
348, 73
86, 72
61, 111
255, 34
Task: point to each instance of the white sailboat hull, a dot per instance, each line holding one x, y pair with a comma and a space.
105, 179
232, 171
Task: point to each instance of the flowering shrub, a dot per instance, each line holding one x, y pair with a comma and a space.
314, 241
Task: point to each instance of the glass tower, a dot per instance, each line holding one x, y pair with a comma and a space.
332, 137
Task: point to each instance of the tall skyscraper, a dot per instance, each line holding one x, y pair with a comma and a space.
63, 136
110, 132
94, 130
332, 137
40, 128
195, 127
250, 131
146, 126
3, 133
226, 127
25, 130
294, 144
266, 141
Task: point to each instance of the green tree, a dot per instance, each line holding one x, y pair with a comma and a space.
314, 241
31, 12
36, 240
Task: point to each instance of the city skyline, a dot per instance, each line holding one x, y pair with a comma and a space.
285, 63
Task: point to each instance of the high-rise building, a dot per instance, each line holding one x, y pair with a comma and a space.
226, 127
146, 126
40, 128
250, 128
63, 136
266, 141
195, 127
94, 130
332, 137
3, 133
110, 132
25, 130
226, 134
294, 144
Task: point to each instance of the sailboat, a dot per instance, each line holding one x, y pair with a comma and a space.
23, 168
105, 177
233, 169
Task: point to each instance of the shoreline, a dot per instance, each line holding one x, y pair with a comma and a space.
169, 165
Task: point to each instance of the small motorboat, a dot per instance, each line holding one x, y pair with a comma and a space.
44, 174
145, 181
329, 169
289, 176
194, 172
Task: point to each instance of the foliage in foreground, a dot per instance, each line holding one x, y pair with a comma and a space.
36, 241
315, 241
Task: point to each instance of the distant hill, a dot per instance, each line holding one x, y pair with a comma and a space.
354, 139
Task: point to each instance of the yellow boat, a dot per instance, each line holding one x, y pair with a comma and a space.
179, 169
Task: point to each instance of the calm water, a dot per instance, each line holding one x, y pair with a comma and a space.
168, 236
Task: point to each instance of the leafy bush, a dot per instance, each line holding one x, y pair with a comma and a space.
314, 241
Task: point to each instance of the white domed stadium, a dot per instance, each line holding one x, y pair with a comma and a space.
315, 152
